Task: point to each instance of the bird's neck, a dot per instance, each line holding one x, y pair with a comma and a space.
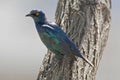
39, 24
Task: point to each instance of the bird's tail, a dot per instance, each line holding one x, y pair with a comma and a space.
85, 59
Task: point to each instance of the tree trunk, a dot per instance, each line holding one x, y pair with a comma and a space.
87, 23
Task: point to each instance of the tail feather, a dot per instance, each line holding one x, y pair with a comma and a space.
85, 59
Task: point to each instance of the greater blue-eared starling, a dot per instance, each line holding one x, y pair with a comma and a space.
54, 38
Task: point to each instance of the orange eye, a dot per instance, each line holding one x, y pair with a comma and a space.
37, 14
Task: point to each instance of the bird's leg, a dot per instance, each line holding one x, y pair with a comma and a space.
58, 56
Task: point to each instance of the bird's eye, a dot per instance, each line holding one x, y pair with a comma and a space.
37, 14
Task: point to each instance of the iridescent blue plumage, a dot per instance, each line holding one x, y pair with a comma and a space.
54, 37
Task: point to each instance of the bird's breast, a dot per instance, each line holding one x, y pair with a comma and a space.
49, 39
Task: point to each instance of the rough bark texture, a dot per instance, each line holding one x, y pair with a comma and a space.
87, 23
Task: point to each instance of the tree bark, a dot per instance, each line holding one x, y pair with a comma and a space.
87, 23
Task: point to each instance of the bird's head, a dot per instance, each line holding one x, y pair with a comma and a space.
38, 16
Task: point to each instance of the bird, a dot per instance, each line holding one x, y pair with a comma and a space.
54, 38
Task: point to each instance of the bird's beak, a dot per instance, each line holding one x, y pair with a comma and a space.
28, 15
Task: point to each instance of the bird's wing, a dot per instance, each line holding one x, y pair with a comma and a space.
65, 42
57, 38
